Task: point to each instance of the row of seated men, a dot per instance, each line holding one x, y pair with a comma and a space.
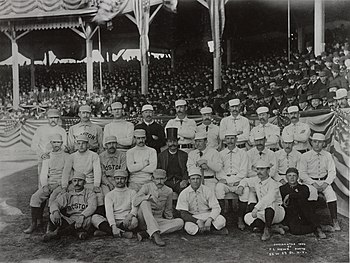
230, 170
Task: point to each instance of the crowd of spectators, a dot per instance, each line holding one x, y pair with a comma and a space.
306, 81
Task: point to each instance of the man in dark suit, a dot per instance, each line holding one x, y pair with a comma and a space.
300, 213
173, 161
155, 137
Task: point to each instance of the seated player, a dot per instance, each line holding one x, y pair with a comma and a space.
300, 213
120, 211
155, 209
199, 207
50, 179
268, 209
71, 212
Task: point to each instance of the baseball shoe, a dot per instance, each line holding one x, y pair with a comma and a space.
158, 240
257, 229
336, 225
221, 232
99, 233
127, 234
267, 234
142, 235
327, 228
241, 225
319, 233
278, 229
30, 229
50, 235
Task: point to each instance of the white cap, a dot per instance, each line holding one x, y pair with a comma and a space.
139, 133
318, 137
147, 107
231, 132
180, 103
116, 105
262, 110
194, 171
347, 63
340, 93
259, 134
234, 102
293, 109
206, 110
200, 135
56, 137
262, 164
287, 137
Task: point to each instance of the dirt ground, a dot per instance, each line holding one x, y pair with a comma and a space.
238, 246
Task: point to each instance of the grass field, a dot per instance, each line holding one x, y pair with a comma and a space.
238, 246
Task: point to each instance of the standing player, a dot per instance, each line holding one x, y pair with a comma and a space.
210, 128
41, 139
119, 128
85, 127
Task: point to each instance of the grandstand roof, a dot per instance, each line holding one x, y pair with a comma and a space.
244, 18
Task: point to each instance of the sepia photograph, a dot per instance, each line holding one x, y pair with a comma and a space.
174, 131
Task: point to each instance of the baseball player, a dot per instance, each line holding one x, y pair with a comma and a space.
271, 131
50, 179
317, 168
186, 127
85, 127
211, 129
71, 212
155, 209
41, 139
299, 130
119, 128
199, 207
120, 210
88, 163
141, 161
235, 168
268, 209
111, 160
235, 122
205, 158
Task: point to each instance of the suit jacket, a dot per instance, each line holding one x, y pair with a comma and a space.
153, 129
163, 159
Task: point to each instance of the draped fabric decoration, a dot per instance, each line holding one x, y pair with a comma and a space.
219, 5
19, 7
335, 126
108, 9
141, 10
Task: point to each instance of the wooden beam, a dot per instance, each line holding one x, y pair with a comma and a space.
154, 13
79, 32
203, 3
133, 19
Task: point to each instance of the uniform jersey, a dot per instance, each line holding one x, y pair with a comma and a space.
92, 131
87, 163
112, 162
239, 124
41, 139
122, 129
52, 168
285, 161
212, 131
300, 132
186, 129
272, 134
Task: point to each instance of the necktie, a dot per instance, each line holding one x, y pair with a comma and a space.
181, 121
206, 128
200, 153
260, 153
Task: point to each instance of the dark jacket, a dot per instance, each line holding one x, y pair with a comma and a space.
153, 129
163, 159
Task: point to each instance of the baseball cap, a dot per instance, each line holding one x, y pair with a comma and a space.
85, 108
147, 107
206, 110
259, 134
116, 105
159, 174
111, 138
78, 175
262, 110
234, 102
262, 164
53, 113
180, 103
194, 171
82, 137
287, 137
120, 173
231, 132
293, 109
318, 137
56, 138
341, 93
200, 135
139, 133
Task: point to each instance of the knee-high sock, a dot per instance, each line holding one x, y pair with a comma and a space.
332, 206
269, 214
101, 210
222, 205
250, 207
258, 223
242, 207
104, 226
